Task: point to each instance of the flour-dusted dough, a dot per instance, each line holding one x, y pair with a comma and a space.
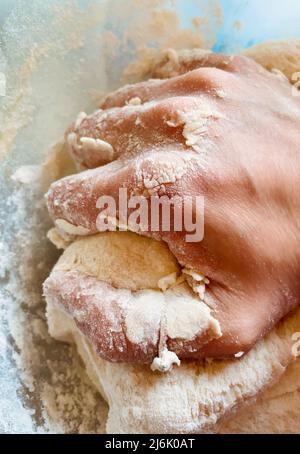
191, 398
197, 396
276, 411
121, 260
133, 269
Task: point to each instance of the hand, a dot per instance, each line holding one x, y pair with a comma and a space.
221, 127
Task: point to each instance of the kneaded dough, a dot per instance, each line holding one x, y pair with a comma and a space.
121, 259
192, 398
278, 55
198, 395
125, 260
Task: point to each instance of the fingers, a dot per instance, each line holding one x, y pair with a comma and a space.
135, 94
192, 82
127, 131
127, 326
99, 138
72, 201
99, 311
76, 203
173, 63
139, 116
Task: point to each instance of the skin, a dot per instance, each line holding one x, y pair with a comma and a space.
246, 164
99, 311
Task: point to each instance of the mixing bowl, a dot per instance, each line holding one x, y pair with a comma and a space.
58, 57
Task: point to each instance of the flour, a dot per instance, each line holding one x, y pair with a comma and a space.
183, 317
94, 146
164, 362
104, 149
239, 354
196, 281
143, 318
187, 317
196, 124
192, 396
160, 173
27, 174
136, 101
59, 397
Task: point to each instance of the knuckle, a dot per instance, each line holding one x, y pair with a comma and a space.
247, 333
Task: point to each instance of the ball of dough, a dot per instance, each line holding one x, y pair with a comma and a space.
281, 55
121, 259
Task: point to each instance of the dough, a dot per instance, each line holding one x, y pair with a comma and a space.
193, 397
190, 399
196, 396
125, 296
278, 55
120, 261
